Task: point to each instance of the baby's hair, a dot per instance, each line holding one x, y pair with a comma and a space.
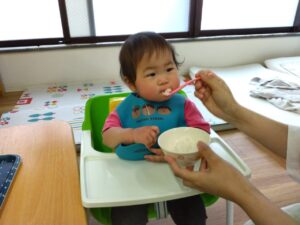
138, 45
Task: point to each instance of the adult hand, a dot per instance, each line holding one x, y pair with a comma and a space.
215, 175
215, 95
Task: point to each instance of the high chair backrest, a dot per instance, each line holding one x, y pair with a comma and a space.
96, 111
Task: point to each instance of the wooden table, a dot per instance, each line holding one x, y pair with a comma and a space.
46, 189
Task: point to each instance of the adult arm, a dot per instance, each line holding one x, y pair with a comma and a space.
218, 177
217, 97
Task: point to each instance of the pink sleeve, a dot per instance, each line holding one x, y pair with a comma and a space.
193, 117
113, 120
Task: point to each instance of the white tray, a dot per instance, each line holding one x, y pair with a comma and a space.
108, 181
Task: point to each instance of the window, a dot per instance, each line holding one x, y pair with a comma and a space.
35, 22
29, 19
238, 14
162, 16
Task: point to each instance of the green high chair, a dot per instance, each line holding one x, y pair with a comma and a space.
96, 111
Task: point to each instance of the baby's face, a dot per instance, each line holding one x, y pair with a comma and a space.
156, 74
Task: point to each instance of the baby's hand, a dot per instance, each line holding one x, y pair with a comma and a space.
158, 157
146, 135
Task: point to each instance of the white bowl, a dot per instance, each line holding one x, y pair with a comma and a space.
181, 144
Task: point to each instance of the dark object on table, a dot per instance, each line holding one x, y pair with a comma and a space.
9, 165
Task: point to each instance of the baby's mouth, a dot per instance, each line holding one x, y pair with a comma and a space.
167, 92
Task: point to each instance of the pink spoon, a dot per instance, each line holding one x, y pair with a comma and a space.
168, 93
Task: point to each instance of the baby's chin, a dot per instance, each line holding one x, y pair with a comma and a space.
157, 98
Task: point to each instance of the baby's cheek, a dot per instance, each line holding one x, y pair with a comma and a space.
147, 92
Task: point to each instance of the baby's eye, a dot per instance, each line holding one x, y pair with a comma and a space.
170, 69
150, 75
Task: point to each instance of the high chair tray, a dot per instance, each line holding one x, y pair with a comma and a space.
108, 181
9, 165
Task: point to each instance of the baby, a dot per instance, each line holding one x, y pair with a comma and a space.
150, 69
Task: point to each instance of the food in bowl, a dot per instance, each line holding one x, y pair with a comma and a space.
181, 143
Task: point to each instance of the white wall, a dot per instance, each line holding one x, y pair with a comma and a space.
22, 69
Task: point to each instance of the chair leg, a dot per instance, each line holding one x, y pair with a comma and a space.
161, 210
229, 212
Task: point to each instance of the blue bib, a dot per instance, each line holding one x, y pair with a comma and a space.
137, 112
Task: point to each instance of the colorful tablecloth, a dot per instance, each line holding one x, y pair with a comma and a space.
65, 101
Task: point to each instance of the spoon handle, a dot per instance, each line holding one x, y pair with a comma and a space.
183, 85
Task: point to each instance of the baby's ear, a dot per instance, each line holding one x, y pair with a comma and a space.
129, 84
